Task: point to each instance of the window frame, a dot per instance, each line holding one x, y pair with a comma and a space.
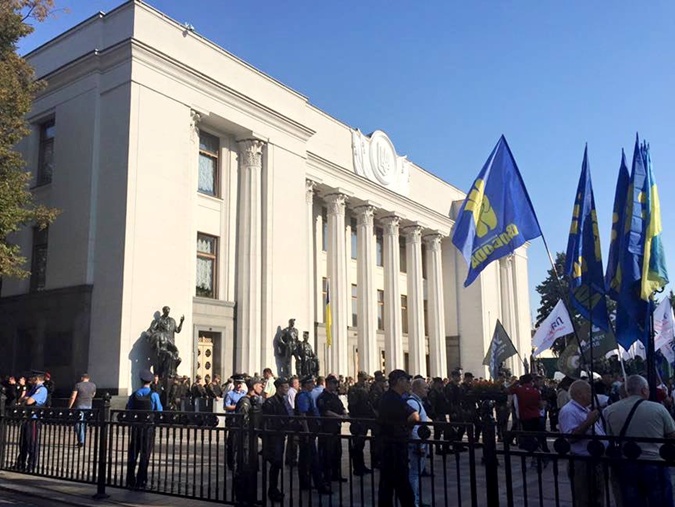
380, 310
355, 305
215, 156
40, 242
209, 256
43, 178
404, 313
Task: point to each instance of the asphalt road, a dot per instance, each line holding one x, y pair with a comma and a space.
8, 499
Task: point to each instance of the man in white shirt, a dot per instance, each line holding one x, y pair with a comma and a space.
268, 389
417, 451
292, 441
642, 483
576, 418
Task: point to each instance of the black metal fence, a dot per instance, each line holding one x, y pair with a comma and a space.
220, 458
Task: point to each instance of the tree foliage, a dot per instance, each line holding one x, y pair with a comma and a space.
17, 90
553, 289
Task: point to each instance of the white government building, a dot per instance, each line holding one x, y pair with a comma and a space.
188, 178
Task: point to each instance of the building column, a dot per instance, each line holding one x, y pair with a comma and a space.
367, 295
416, 344
311, 252
438, 364
393, 329
339, 286
249, 259
508, 310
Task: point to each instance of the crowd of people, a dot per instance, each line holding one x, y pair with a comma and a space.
391, 408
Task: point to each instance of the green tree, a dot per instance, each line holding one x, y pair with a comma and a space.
17, 90
551, 290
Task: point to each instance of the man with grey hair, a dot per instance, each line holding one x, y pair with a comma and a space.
417, 450
576, 418
635, 416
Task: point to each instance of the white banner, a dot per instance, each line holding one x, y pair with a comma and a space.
664, 330
635, 350
557, 324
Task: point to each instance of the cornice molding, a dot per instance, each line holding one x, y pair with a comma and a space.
320, 169
184, 74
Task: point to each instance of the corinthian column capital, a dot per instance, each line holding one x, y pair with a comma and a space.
365, 214
336, 204
309, 191
250, 152
413, 234
433, 241
390, 225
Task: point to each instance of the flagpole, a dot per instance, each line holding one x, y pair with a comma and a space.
564, 298
651, 353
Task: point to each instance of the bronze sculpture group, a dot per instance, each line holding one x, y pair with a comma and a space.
161, 336
289, 346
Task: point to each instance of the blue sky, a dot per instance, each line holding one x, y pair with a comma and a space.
445, 79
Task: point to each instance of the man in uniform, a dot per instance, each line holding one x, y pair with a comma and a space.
36, 397
358, 400
274, 438
395, 418
377, 389
309, 467
230, 403
142, 438
438, 402
330, 447
248, 411
453, 396
82, 398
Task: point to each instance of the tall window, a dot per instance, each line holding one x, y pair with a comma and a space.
426, 317
424, 261
352, 223
207, 262
380, 310
46, 155
355, 302
404, 313
324, 229
209, 148
38, 269
379, 246
402, 256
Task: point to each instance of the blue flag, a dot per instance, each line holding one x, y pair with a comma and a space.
613, 274
497, 216
654, 273
583, 263
631, 310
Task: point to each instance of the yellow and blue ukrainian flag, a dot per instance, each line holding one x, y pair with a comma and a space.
654, 272
613, 274
497, 216
329, 317
583, 263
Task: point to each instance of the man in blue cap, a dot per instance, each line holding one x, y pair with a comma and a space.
142, 438
30, 429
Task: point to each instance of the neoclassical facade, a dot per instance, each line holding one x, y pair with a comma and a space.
188, 178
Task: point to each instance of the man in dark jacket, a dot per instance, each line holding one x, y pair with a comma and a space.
248, 411
274, 438
142, 438
358, 398
333, 412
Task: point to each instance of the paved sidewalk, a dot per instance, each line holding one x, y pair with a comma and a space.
73, 493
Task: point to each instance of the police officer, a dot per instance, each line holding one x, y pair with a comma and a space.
142, 438
274, 438
330, 447
230, 405
309, 467
248, 410
360, 408
453, 396
439, 405
36, 397
377, 389
395, 418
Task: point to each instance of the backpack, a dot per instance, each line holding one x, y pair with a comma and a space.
141, 401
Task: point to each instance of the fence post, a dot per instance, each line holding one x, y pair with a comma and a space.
103, 421
3, 424
490, 454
